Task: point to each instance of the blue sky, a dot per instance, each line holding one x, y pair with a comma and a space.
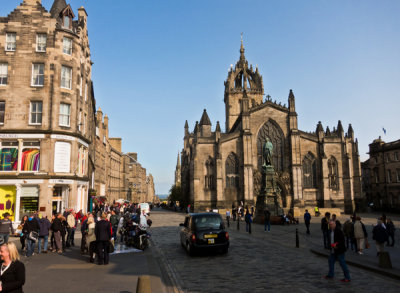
158, 63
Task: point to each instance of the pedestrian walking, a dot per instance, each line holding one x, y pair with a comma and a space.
267, 220
32, 227
188, 209
307, 221
44, 230
71, 229
91, 238
249, 219
325, 229
338, 224
379, 234
348, 231
228, 217
24, 232
360, 234
12, 270
103, 237
390, 228
57, 228
64, 230
5, 227
114, 223
337, 252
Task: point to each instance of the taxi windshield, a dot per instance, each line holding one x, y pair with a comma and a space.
208, 222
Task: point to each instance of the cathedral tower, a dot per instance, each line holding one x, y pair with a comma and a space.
241, 78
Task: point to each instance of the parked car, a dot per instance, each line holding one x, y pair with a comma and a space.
204, 231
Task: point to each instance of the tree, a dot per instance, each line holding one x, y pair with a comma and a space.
175, 194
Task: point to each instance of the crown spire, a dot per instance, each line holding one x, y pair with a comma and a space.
241, 48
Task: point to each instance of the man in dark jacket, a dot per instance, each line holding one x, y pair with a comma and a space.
338, 249
103, 236
267, 220
325, 229
56, 227
44, 225
307, 221
32, 226
114, 223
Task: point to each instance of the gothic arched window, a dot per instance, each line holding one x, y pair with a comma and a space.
309, 171
232, 171
209, 177
275, 135
333, 173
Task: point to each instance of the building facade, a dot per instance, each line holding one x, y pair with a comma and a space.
46, 109
221, 169
381, 175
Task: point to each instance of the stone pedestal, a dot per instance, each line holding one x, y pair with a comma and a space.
268, 196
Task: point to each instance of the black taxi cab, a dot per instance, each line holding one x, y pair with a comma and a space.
204, 231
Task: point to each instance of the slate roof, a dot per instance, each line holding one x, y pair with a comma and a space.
57, 7
205, 120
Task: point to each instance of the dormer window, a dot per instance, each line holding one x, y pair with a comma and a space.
67, 22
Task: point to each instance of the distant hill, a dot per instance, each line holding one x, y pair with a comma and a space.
162, 196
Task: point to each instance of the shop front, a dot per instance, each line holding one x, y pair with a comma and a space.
19, 197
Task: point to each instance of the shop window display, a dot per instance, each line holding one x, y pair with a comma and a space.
9, 156
7, 200
30, 160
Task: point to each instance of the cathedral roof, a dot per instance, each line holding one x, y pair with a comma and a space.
205, 120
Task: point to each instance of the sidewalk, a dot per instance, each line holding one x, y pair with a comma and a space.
49, 272
286, 236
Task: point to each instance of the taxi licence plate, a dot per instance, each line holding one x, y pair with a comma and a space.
211, 241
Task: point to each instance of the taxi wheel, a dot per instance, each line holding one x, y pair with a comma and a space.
189, 249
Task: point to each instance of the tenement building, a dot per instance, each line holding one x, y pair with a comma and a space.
139, 186
381, 175
220, 169
46, 109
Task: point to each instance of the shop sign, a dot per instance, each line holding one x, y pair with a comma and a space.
61, 181
29, 191
84, 183
17, 135
64, 137
20, 181
62, 157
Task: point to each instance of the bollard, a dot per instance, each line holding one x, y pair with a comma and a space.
238, 224
143, 285
297, 238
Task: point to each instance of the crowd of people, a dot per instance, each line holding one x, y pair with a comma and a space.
99, 229
356, 235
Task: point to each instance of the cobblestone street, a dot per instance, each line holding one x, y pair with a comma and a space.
260, 262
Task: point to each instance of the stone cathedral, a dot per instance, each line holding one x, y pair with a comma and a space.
221, 169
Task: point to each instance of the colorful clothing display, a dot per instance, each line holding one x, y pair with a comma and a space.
9, 159
30, 160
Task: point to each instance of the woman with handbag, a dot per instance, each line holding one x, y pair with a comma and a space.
33, 234
12, 270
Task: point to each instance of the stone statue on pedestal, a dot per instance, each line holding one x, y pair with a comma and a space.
269, 194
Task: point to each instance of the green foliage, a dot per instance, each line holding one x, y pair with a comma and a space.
175, 194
